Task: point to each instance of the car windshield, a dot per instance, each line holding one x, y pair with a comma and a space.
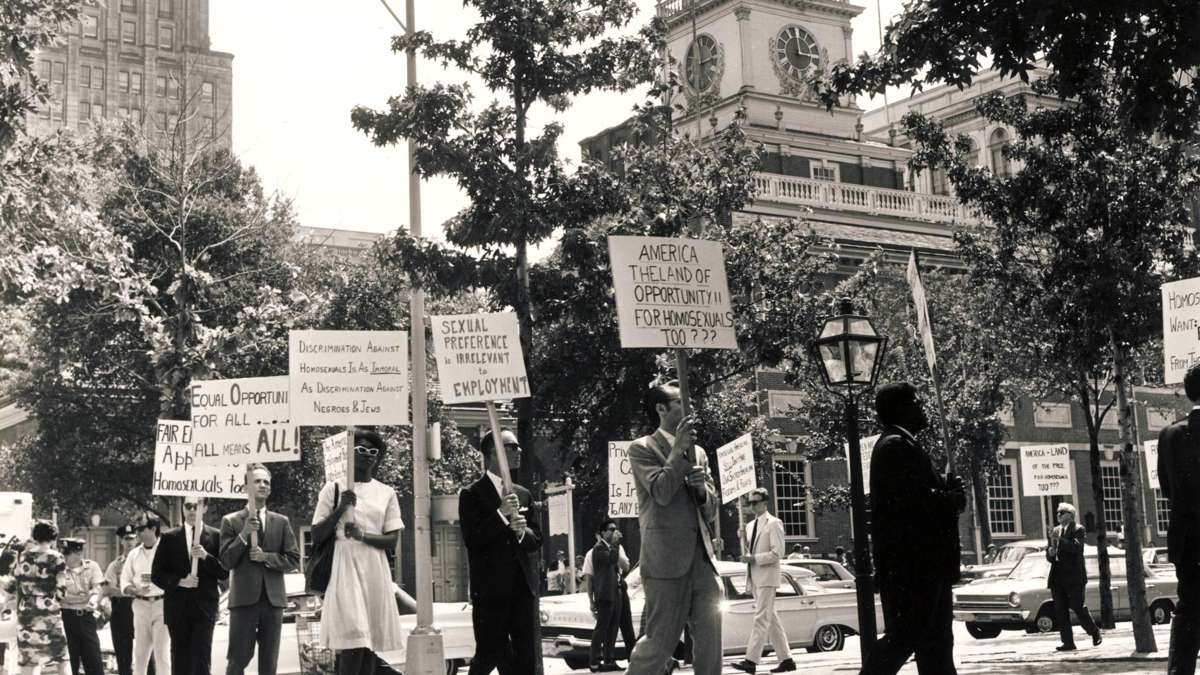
1031, 567
1011, 554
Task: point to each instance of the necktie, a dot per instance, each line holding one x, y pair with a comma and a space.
754, 535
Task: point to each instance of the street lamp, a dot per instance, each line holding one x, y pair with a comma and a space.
848, 353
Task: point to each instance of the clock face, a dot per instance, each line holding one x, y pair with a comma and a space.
795, 51
703, 59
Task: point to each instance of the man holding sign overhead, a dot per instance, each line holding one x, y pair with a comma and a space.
501, 545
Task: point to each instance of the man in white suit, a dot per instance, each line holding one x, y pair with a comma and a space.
765, 548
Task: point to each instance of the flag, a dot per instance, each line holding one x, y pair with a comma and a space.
913, 275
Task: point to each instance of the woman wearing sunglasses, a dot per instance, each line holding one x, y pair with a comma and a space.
359, 617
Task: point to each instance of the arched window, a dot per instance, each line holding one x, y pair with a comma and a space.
1000, 164
973, 154
939, 184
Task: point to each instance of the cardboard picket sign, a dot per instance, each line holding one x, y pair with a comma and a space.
1152, 464
866, 448
1181, 328
622, 493
348, 377
736, 460
244, 420
671, 293
479, 357
176, 473
1046, 470
335, 450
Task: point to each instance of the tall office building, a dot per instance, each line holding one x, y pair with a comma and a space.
148, 60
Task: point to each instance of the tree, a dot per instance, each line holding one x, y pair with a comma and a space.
1147, 52
1081, 239
528, 53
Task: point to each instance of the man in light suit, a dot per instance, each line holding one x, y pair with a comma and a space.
1179, 476
764, 537
677, 509
257, 595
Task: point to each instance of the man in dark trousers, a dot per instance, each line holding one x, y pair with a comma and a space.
1179, 478
1068, 577
121, 623
914, 528
257, 594
190, 602
501, 545
604, 594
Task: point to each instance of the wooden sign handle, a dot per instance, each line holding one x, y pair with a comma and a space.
350, 453
498, 447
197, 528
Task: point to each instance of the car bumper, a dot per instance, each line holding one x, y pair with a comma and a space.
999, 617
565, 646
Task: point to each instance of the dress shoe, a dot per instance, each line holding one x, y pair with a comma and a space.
745, 666
1065, 648
611, 667
1097, 639
785, 666
672, 666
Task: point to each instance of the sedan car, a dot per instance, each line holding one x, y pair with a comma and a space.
829, 573
1007, 557
1156, 559
1021, 600
814, 617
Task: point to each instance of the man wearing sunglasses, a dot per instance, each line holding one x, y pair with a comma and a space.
121, 623
150, 636
764, 549
190, 602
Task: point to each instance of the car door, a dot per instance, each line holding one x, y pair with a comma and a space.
828, 577
798, 611
737, 613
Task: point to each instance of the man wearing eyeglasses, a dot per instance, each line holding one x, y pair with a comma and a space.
190, 601
765, 548
150, 636
121, 623
257, 594
605, 598
501, 544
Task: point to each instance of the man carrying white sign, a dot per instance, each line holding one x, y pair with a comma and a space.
763, 553
1181, 328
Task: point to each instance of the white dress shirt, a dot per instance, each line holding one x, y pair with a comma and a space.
498, 483
138, 563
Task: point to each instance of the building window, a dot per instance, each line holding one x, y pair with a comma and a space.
160, 86
1110, 482
91, 26
123, 81
972, 153
56, 110
128, 5
97, 111
172, 88
123, 112
163, 121
997, 143
938, 183
206, 91
97, 77
135, 83
136, 113
1162, 511
164, 7
791, 497
85, 77
1053, 415
783, 403
825, 172
85, 114
1002, 499
129, 32
58, 74
44, 71
206, 128
166, 37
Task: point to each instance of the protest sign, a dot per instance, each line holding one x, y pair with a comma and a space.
622, 495
242, 421
176, 473
1152, 464
479, 357
334, 449
1181, 328
1045, 470
348, 377
866, 448
560, 513
736, 460
671, 293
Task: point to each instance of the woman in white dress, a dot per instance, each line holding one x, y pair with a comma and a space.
359, 618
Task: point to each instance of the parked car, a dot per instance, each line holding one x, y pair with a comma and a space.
829, 573
1007, 557
298, 600
1156, 560
1021, 600
815, 618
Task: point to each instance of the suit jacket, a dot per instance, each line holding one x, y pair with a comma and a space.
500, 564
1066, 565
767, 548
1179, 478
914, 516
605, 576
172, 562
249, 580
670, 514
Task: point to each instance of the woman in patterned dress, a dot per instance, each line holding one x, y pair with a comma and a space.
39, 579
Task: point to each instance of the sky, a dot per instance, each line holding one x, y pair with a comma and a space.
300, 66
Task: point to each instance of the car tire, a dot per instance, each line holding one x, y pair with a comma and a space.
1044, 623
576, 662
982, 632
1161, 611
828, 639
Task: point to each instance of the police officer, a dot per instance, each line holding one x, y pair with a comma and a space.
80, 608
121, 625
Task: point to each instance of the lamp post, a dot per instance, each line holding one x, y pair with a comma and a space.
848, 353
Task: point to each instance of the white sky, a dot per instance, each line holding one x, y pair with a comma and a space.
301, 65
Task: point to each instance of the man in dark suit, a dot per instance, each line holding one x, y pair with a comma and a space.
604, 594
190, 601
1179, 478
1068, 577
501, 545
257, 595
914, 528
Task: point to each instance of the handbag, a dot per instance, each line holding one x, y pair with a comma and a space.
320, 564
